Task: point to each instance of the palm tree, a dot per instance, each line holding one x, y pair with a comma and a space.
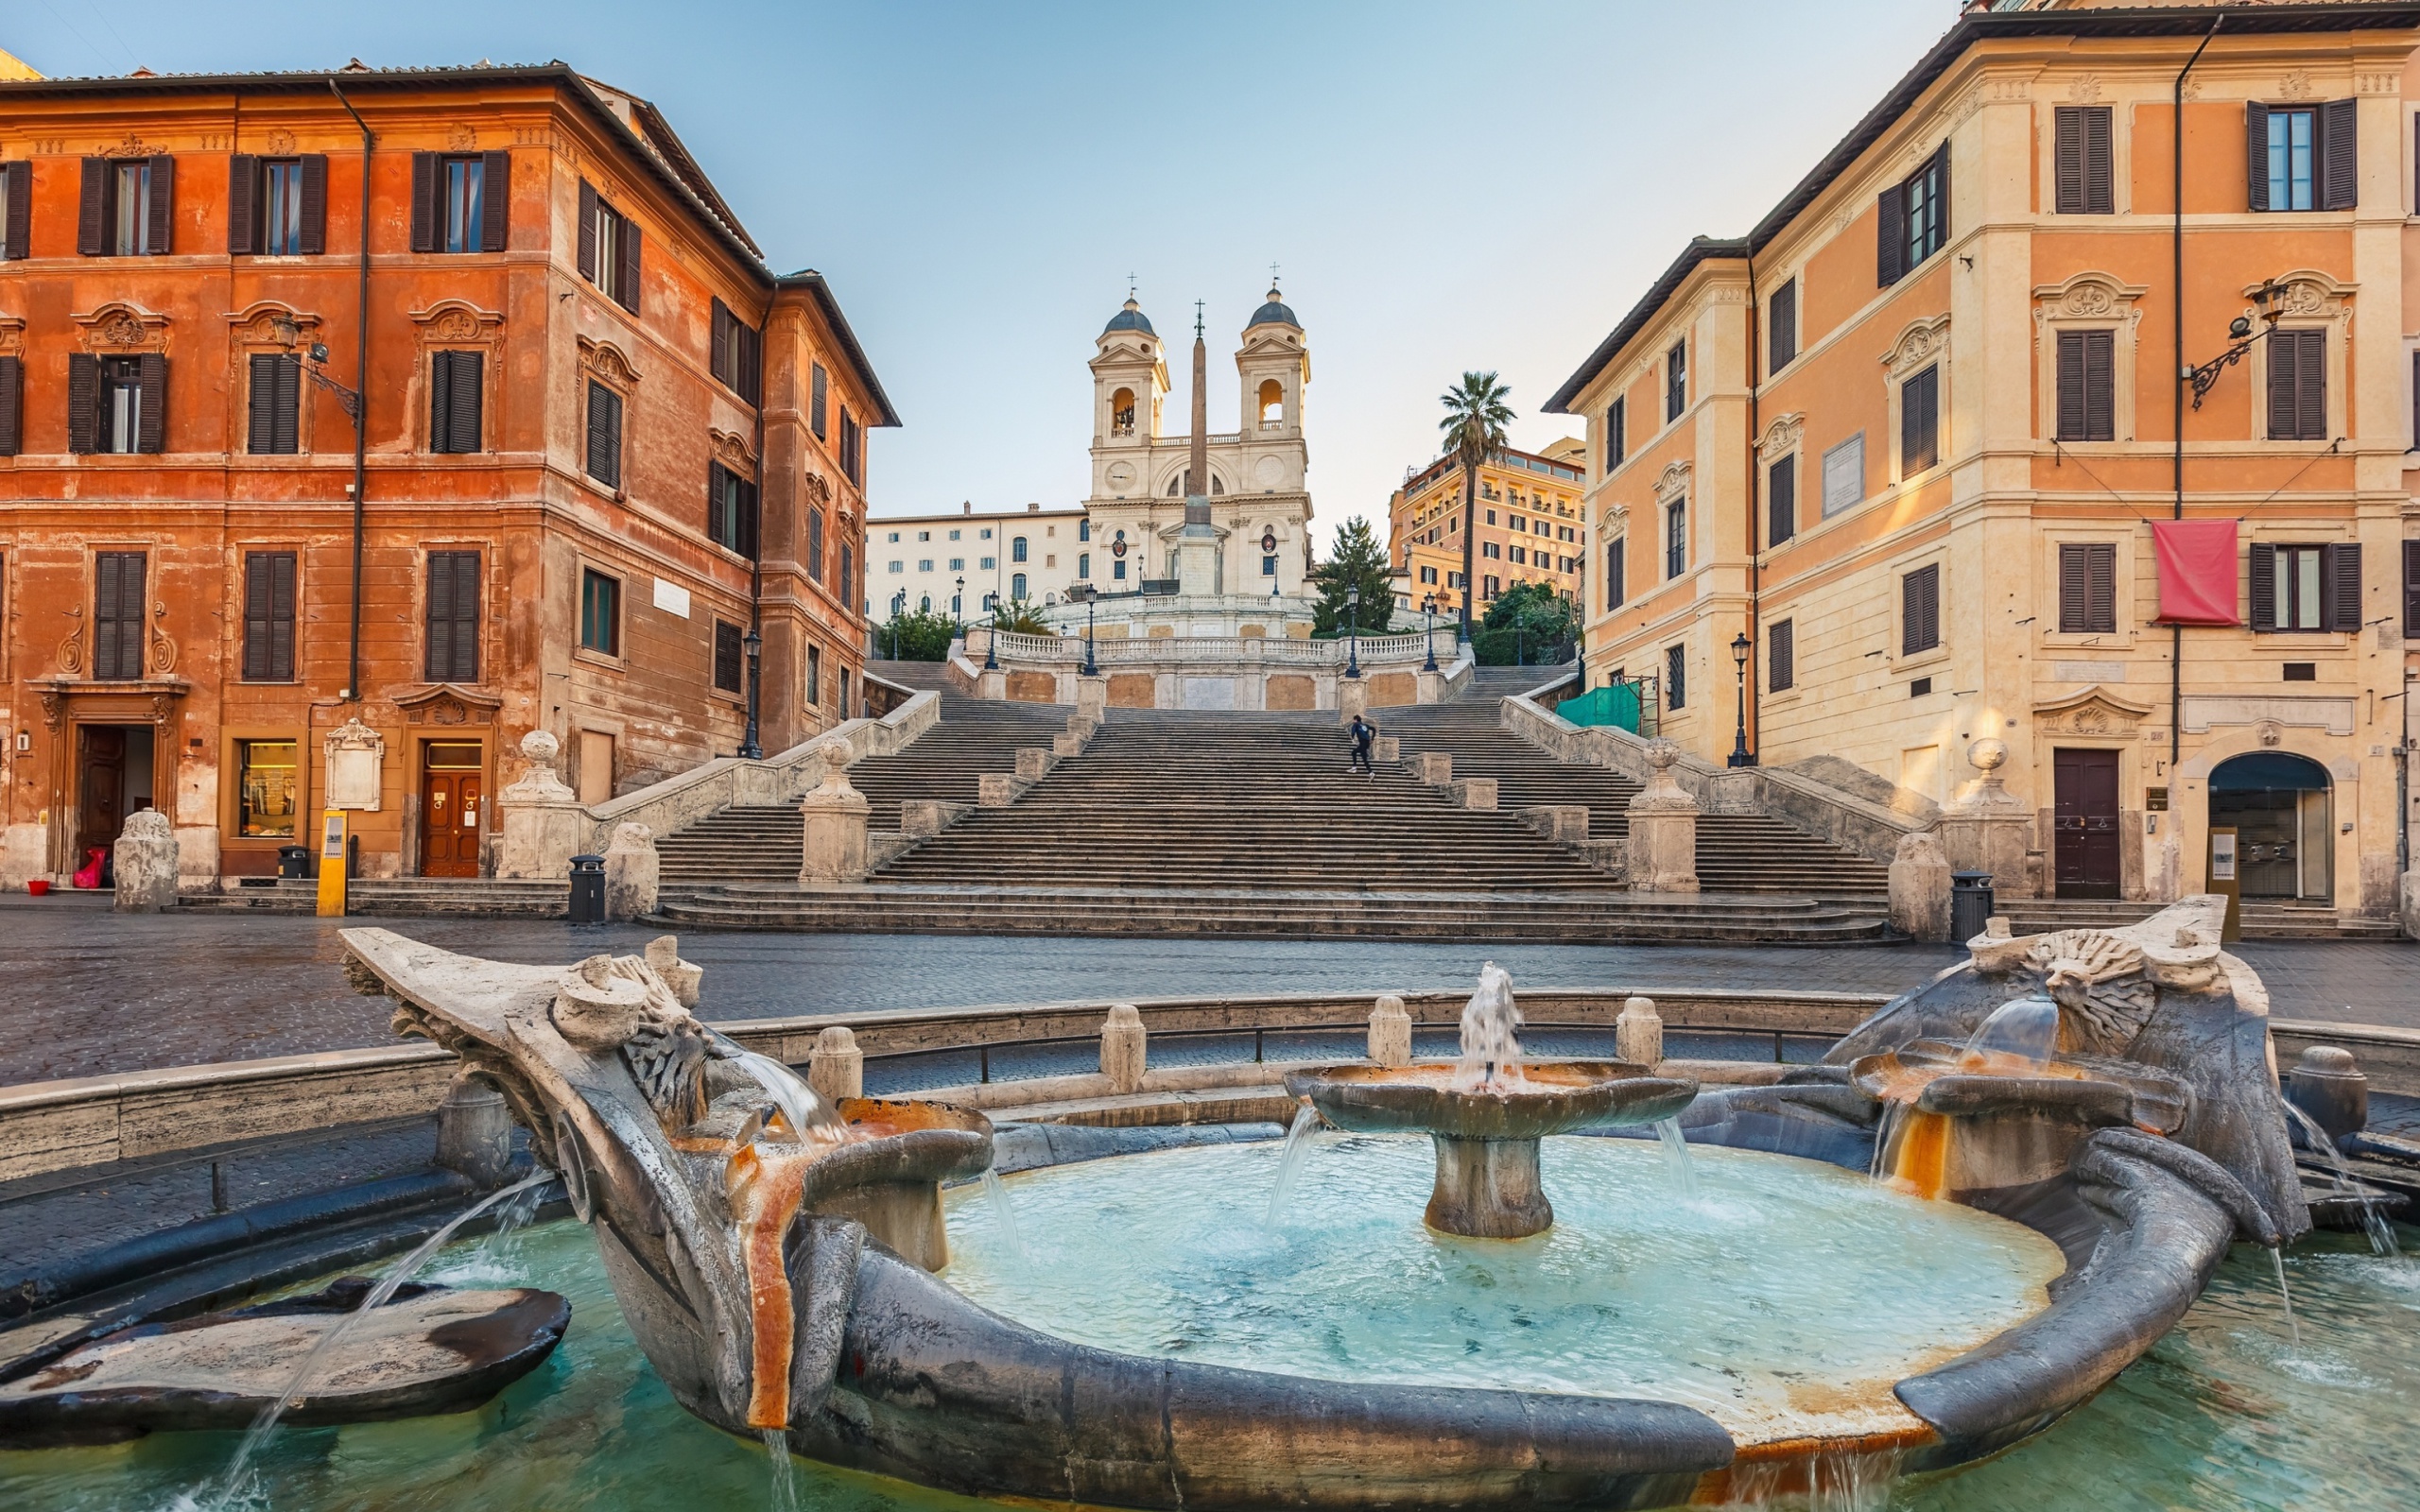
1476, 415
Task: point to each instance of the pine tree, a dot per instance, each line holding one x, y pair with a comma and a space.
1357, 562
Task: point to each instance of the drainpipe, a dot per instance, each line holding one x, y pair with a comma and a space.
2176, 465
361, 391
750, 747
1755, 486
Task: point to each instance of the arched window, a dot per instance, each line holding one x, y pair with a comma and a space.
1016, 584
1083, 566
1085, 529
1016, 551
1176, 487
924, 605
2281, 809
1273, 405
1121, 412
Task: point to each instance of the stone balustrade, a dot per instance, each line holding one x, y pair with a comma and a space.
1208, 671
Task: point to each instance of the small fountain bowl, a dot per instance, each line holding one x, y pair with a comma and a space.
1548, 1097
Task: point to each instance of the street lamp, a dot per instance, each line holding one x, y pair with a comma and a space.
1092, 668
1739, 754
898, 608
1353, 631
1428, 607
957, 608
755, 645
991, 633
2269, 300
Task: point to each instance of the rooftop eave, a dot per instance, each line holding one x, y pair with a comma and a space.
819, 290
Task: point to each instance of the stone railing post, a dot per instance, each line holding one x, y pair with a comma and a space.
1033, 763
1122, 1048
835, 1068
633, 873
995, 790
1387, 748
1092, 696
145, 864
1986, 827
1351, 697
833, 820
1473, 792
543, 818
1638, 1032
1389, 1032
474, 1131
1662, 828
1920, 888
1434, 768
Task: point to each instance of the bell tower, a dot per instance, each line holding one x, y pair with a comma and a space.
1130, 385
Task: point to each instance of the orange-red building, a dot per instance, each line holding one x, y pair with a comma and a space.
602, 442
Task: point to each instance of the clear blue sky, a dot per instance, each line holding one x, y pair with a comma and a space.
1446, 186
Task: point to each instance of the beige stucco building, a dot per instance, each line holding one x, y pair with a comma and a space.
917, 561
1530, 527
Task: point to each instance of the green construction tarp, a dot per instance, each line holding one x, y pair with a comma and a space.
1615, 704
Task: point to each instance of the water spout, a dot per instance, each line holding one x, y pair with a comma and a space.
808, 1115
1676, 1155
2285, 1296
1490, 1049
2024, 1028
2374, 1223
1289, 1161
996, 1193
1879, 1167
785, 1474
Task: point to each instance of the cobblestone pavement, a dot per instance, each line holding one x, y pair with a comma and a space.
89, 992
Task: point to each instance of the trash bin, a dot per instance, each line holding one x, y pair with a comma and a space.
294, 861
587, 890
1970, 904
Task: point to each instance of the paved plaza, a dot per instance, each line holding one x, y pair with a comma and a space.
94, 992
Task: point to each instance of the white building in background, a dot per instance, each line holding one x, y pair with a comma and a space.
917, 561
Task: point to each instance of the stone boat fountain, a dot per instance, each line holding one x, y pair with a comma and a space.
778, 1262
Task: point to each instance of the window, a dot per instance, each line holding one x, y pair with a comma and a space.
1117, 570
277, 207
2087, 389
1913, 219
848, 574
2302, 156
1268, 565
988, 563
728, 652
815, 669
894, 537
2082, 161
1016, 549
128, 207
459, 202
851, 448
1616, 589
453, 616
1016, 586
731, 511
276, 404
1781, 656
1084, 564
269, 616
734, 352
1781, 500
844, 692
1085, 529
604, 435
924, 535
956, 534
2306, 588
117, 615
16, 208
2087, 587
1920, 609
117, 404
815, 545
1845, 475
1491, 585
266, 796
1520, 524
897, 566
1519, 555
457, 399
1492, 550
1781, 340
1676, 677
1616, 443
1676, 537
462, 200
2298, 385
609, 249
600, 612
1919, 422
818, 388
1676, 381
958, 564
1490, 517
923, 564
984, 534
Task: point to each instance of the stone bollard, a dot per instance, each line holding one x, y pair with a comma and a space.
832, 824
1563, 823
2330, 1090
1920, 888
541, 818
923, 817
474, 1131
664, 955
836, 1068
1473, 792
1063, 747
633, 873
1092, 696
1351, 697
995, 790
1387, 748
1122, 1048
1389, 1032
1662, 829
145, 864
1033, 763
1433, 768
1638, 1032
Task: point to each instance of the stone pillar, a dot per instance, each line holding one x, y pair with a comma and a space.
1033, 763
1433, 768
1351, 697
1066, 746
146, 863
833, 820
1662, 828
1986, 827
1920, 888
1122, 1048
836, 1068
1473, 792
633, 872
544, 819
1389, 1032
920, 817
664, 957
474, 1131
1387, 748
1092, 696
995, 790
1638, 1032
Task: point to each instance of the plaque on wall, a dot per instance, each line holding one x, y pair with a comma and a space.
356, 757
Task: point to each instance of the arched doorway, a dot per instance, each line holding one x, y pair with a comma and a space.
2283, 813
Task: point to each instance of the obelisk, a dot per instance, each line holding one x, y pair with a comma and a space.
1194, 562
1197, 473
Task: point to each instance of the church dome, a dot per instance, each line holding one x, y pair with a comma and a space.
1130, 319
1273, 313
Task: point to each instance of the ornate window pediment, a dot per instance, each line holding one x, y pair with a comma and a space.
1672, 482
456, 322
255, 325
604, 362
2089, 296
120, 329
1783, 433
1919, 342
2095, 711
732, 452
2309, 295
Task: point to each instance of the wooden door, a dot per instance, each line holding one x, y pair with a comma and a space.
450, 811
2086, 823
100, 787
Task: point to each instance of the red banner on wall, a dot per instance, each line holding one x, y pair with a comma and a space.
2197, 572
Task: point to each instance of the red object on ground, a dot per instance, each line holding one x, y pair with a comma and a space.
89, 875
38, 886
2197, 572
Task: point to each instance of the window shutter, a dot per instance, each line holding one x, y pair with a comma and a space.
2411, 589
2340, 178
2256, 154
264, 398
453, 616
2101, 583
92, 209
2074, 588
1614, 585
259, 615
1781, 502
2281, 385
495, 199
2264, 586
815, 544
747, 519
2100, 163
1781, 346
160, 238
424, 179
315, 204
2310, 384
2071, 385
718, 343
2099, 385
1919, 422
587, 230
243, 204
600, 454
441, 402
21, 208
2066, 158
286, 409
625, 284
151, 428
1920, 610
1781, 655
715, 472
2342, 574
1890, 237
753, 375
1942, 227
83, 402
466, 412
727, 657
13, 405
281, 616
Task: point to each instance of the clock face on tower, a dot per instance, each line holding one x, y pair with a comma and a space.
1120, 474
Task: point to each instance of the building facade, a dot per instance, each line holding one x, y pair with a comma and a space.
1913, 446
955, 565
1529, 525
601, 444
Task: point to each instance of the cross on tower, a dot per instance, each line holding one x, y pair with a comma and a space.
1272, 275
1197, 317
1130, 285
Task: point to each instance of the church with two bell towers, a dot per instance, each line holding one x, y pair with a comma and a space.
1197, 534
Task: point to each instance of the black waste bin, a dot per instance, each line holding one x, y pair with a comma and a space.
1970, 904
587, 890
294, 861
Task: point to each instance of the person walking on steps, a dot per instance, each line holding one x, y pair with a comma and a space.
1364, 734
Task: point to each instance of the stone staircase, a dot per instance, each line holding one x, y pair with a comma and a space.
490, 897
2262, 920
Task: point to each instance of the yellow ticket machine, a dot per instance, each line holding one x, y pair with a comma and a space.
332, 850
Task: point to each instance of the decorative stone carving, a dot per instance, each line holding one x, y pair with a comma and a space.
1662, 828
164, 648
1672, 482
2093, 712
2307, 294
1986, 827
356, 757
145, 864
1920, 888
2296, 85
833, 820
279, 143
1123, 1048
633, 873
454, 321
119, 329
1783, 433
544, 820
664, 959
604, 362
732, 452
1920, 341
71, 650
2084, 89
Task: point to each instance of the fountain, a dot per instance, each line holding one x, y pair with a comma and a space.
1486, 1112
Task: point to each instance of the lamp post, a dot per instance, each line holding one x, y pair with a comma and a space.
898, 608
755, 645
957, 608
1428, 607
1092, 668
1353, 631
991, 633
1740, 755
2268, 303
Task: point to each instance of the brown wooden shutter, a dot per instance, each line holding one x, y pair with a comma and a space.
818, 388
269, 616
453, 616
2341, 579
715, 472
1615, 589
2256, 154
243, 204
1920, 610
151, 426
755, 372
2074, 589
1890, 237
496, 200
1781, 500
13, 405
286, 436
117, 615
2310, 384
21, 207
2281, 385
604, 435
315, 204
747, 519
2264, 586
160, 238
727, 657
262, 438
1920, 422
2099, 162
2339, 163
2099, 385
2411, 590
83, 402
2100, 587
718, 343
440, 401
815, 544
1781, 655
256, 614
427, 230
2066, 158
587, 230
1942, 229
2084, 161
625, 282
93, 210
465, 413
2071, 405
